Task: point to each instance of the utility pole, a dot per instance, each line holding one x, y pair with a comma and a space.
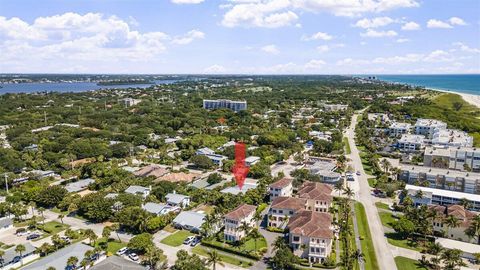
6, 182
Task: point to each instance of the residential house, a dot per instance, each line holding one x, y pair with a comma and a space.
79, 185
178, 200
464, 218
282, 209
139, 190
235, 221
11, 258
159, 209
117, 263
59, 259
311, 235
189, 220
281, 188
154, 170
251, 160
318, 196
6, 223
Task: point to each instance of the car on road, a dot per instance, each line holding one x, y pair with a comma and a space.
122, 251
66, 239
188, 240
33, 236
195, 241
133, 256
21, 232
358, 173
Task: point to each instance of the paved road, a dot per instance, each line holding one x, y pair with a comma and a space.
382, 248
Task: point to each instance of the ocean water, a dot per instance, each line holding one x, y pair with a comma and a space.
68, 87
463, 83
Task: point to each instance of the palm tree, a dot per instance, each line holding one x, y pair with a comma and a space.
245, 227
32, 204
51, 268
214, 259
90, 234
255, 234
386, 165
279, 243
61, 216
451, 222
338, 187
106, 232
349, 192
465, 203
435, 249
20, 249
72, 261
473, 231
357, 255
1, 257
154, 255
41, 210
452, 259
115, 227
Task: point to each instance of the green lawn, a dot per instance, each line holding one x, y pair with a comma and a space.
53, 227
387, 218
202, 251
250, 244
396, 240
364, 231
348, 151
112, 246
408, 264
381, 205
372, 181
177, 238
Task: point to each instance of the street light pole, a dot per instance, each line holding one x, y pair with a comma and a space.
6, 183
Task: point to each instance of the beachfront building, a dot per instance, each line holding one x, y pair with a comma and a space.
451, 137
281, 188
455, 158
235, 221
427, 127
282, 209
461, 181
463, 216
426, 196
318, 196
311, 235
233, 105
411, 143
397, 129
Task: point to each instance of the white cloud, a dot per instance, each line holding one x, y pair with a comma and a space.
457, 21
326, 48
411, 26
187, 1
432, 23
314, 64
403, 40
215, 69
409, 58
374, 23
188, 37
352, 62
377, 34
278, 13
439, 56
271, 49
466, 48
318, 36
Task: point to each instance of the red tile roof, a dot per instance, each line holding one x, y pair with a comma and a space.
315, 191
282, 183
288, 203
311, 224
241, 212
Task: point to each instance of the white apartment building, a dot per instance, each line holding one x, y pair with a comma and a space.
282, 209
233, 222
451, 137
441, 197
468, 182
311, 235
455, 158
233, 105
334, 107
427, 127
397, 128
281, 188
411, 143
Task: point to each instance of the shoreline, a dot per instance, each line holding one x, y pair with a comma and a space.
469, 98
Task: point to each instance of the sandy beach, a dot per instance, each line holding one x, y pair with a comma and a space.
470, 98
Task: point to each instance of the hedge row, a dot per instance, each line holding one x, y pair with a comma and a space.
230, 250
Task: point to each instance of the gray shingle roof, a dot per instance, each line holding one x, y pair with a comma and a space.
190, 218
175, 198
5, 222
79, 185
117, 263
59, 259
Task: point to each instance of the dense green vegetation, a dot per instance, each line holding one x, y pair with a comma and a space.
370, 258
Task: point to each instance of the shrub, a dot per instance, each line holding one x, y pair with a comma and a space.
220, 247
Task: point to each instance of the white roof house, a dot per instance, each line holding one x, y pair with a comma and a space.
79, 185
179, 200
189, 220
159, 209
139, 190
251, 160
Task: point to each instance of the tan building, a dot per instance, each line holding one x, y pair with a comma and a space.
317, 195
281, 188
243, 214
282, 209
311, 235
463, 216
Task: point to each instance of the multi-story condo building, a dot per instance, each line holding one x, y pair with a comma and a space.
441, 197
281, 188
282, 209
411, 143
468, 182
233, 105
326, 171
311, 235
334, 107
318, 196
396, 129
452, 137
455, 158
463, 216
427, 127
234, 220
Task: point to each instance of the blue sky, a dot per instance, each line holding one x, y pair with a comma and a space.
240, 36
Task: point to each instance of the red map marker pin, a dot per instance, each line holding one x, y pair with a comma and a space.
240, 170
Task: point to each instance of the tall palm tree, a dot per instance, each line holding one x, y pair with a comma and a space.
115, 227
255, 234
436, 250
72, 261
106, 232
90, 234
1, 257
20, 249
465, 203
473, 231
214, 259
338, 187
245, 227
357, 255
451, 222
452, 259
42, 210
349, 192
61, 216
